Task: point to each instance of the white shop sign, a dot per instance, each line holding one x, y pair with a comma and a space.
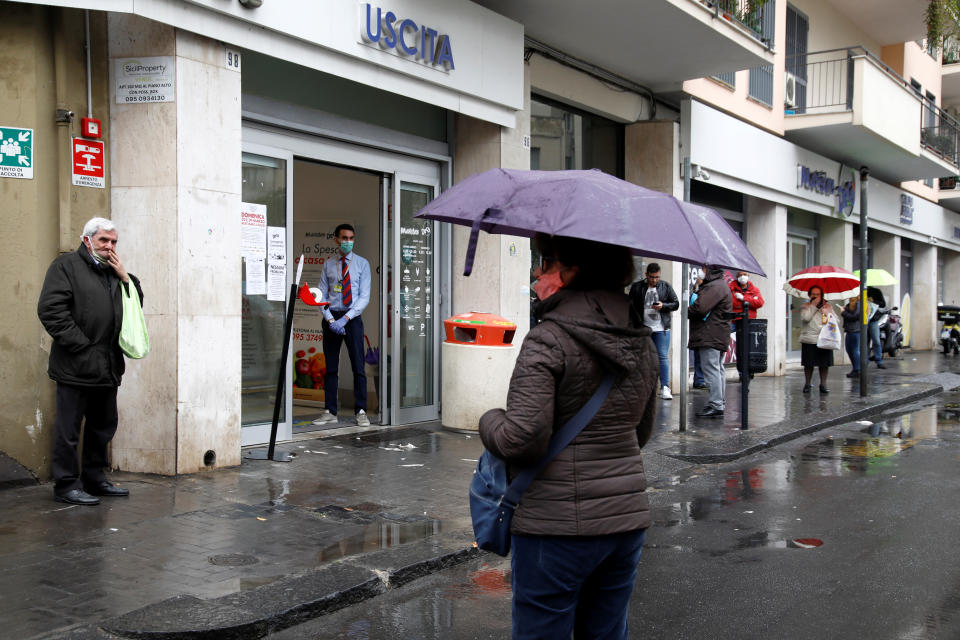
144, 80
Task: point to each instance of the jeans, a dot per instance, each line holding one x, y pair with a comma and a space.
698, 380
711, 360
99, 406
578, 584
331, 353
852, 342
874, 329
662, 340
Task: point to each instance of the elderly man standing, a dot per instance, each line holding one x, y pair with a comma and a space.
80, 307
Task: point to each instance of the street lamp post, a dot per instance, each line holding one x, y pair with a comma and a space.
864, 316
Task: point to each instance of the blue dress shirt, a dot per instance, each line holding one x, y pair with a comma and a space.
330, 283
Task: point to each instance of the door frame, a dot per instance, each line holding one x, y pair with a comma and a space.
390, 160
797, 236
432, 411
260, 433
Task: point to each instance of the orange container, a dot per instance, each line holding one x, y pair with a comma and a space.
482, 329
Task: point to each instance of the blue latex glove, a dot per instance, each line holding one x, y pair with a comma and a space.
339, 327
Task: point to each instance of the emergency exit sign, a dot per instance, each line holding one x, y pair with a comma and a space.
88, 163
16, 153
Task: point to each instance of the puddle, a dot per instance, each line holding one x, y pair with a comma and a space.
738, 486
760, 540
373, 531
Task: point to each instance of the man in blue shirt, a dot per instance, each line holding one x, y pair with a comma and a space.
345, 284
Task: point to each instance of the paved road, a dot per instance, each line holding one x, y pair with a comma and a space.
849, 533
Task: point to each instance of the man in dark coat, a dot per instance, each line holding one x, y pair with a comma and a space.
710, 335
80, 306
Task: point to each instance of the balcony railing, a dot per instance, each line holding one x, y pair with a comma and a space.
747, 13
824, 83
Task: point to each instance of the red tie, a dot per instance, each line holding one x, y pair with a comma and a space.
346, 296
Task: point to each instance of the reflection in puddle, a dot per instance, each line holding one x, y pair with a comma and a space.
374, 532
741, 485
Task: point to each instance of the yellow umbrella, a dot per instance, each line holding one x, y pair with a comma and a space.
878, 277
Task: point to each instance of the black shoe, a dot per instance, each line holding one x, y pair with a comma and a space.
823, 389
710, 412
699, 386
76, 496
853, 374
107, 489
806, 388
880, 365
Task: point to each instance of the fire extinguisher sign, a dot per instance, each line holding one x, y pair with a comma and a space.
88, 163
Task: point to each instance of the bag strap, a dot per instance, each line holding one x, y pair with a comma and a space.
559, 441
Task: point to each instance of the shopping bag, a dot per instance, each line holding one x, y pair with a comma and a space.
830, 334
134, 341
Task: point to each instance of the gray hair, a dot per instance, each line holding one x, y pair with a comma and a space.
97, 224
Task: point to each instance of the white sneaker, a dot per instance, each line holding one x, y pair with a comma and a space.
362, 419
665, 394
326, 418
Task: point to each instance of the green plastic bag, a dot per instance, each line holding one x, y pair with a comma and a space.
134, 341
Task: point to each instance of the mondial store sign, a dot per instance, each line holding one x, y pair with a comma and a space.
405, 37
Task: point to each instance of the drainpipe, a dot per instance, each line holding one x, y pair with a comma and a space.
64, 120
86, 46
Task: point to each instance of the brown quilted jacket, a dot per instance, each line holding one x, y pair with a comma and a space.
596, 485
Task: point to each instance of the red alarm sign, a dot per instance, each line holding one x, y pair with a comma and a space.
88, 163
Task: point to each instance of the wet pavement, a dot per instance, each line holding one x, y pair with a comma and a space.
849, 533
341, 523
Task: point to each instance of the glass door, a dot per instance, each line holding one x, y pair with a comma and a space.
414, 325
265, 280
799, 257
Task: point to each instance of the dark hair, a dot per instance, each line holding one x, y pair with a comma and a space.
599, 265
812, 287
653, 267
342, 227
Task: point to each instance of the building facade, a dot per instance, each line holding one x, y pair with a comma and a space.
237, 134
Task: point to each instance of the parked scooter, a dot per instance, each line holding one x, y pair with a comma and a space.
950, 333
950, 338
891, 332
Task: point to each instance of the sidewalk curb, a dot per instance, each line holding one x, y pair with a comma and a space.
288, 602
866, 412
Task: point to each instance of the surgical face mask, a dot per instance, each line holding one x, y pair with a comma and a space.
743, 280
547, 285
346, 246
93, 252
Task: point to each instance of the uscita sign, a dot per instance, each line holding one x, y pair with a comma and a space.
405, 37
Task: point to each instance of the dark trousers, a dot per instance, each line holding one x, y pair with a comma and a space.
99, 406
573, 584
331, 353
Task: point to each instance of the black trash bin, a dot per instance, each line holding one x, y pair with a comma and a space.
758, 345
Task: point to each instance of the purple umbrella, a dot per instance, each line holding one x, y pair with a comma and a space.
591, 205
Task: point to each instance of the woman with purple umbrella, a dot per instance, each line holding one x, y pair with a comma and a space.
578, 531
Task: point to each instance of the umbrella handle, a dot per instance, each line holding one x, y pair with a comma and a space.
474, 238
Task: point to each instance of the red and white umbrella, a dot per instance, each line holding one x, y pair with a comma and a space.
837, 283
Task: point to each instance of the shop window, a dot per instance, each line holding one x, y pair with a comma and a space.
565, 138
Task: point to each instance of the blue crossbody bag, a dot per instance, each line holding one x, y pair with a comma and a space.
493, 501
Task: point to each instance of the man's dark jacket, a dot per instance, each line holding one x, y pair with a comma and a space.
710, 314
666, 294
81, 308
